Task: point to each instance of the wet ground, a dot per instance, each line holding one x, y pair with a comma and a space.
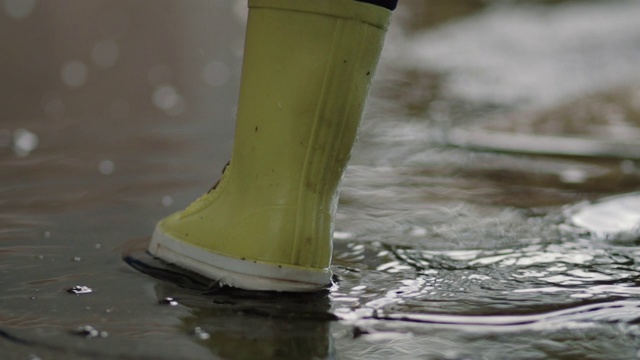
115, 114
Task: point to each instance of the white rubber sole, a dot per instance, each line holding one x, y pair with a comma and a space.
244, 274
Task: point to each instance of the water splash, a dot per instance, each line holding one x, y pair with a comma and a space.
614, 218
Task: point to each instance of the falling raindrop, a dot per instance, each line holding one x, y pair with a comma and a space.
74, 73
573, 176
24, 142
167, 98
106, 167
167, 201
216, 73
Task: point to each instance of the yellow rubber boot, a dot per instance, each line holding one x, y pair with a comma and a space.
267, 225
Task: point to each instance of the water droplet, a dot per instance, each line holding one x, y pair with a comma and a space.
80, 289
168, 301
98, 246
89, 332
19, 9
216, 73
24, 142
167, 201
74, 73
573, 176
105, 53
342, 235
167, 98
47, 234
201, 334
417, 231
106, 167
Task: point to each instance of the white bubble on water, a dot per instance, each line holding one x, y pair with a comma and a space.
107, 167
24, 142
105, 53
19, 9
167, 201
74, 73
216, 73
201, 334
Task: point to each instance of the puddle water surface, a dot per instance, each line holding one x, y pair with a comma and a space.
440, 252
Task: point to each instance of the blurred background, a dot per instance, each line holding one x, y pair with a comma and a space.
490, 209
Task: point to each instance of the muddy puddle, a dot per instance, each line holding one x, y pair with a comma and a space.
447, 246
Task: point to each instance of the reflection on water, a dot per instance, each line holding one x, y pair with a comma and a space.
440, 252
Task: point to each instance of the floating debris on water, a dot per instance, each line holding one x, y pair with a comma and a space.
201, 334
89, 332
168, 301
76, 258
80, 289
